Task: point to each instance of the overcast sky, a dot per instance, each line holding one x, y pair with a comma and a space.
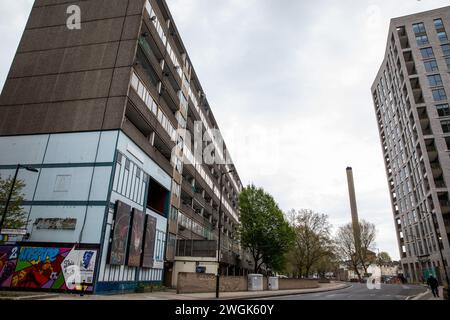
289, 84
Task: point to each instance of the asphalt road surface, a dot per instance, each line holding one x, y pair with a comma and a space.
360, 292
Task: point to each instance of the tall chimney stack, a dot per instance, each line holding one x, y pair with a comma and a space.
354, 209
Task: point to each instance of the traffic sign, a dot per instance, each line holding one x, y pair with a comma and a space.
14, 232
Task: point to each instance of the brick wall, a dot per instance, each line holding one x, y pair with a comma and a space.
291, 284
202, 283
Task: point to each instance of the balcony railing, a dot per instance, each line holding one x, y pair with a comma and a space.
197, 248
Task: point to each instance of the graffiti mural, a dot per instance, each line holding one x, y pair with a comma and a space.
42, 267
118, 248
136, 239
39, 268
8, 261
78, 268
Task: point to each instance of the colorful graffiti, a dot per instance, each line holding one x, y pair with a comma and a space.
40, 267
78, 268
8, 260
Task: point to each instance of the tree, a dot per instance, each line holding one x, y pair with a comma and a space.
345, 242
328, 263
383, 258
16, 217
313, 241
352, 256
264, 230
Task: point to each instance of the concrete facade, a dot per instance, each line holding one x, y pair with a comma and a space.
410, 95
102, 112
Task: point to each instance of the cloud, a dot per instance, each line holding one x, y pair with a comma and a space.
289, 83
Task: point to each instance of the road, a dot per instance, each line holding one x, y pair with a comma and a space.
360, 292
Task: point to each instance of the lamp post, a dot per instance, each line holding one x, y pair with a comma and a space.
8, 200
439, 246
219, 233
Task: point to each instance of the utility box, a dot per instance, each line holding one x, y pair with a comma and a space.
272, 283
255, 282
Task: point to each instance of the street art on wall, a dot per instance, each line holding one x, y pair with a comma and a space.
39, 268
118, 248
42, 267
136, 239
78, 269
149, 242
8, 260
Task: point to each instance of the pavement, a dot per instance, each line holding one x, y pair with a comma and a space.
172, 295
326, 291
359, 291
429, 296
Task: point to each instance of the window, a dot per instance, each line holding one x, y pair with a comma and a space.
447, 140
438, 24
439, 94
442, 35
173, 213
448, 62
421, 40
431, 66
134, 81
446, 49
158, 198
435, 80
62, 183
443, 110
419, 28
427, 53
445, 126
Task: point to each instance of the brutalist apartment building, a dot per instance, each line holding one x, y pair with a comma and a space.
412, 109
99, 113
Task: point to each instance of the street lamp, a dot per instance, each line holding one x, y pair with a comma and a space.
439, 245
219, 232
19, 166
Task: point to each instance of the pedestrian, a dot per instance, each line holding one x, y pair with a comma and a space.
434, 286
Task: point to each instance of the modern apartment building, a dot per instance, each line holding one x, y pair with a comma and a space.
410, 94
101, 113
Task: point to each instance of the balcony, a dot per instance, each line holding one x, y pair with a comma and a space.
403, 37
440, 183
142, 141
436, 169
187, 209
199, 198
445, 206
187, 187
432, 152
197, 248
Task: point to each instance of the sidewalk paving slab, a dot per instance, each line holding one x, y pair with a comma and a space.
429, 296
19, 295
172, 295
